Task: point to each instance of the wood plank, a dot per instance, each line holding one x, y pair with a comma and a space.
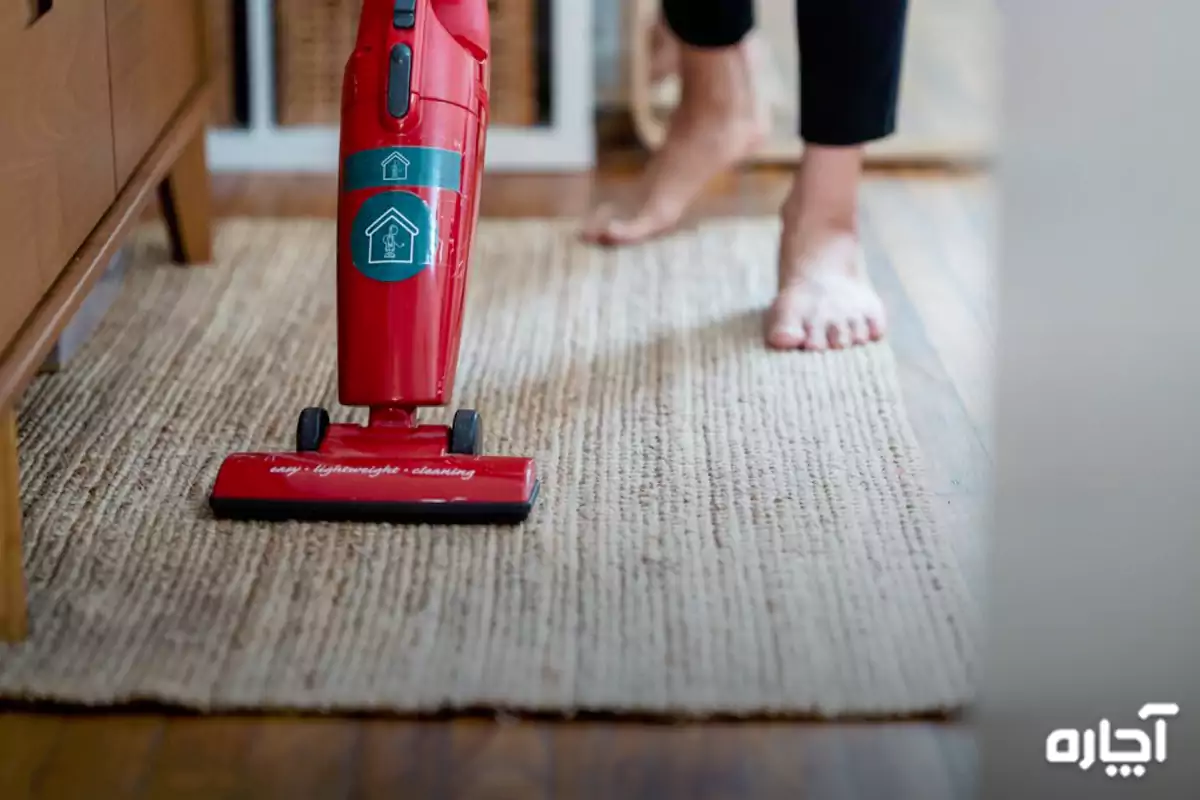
595, 761
26, 742
14, 616
146, 756
399, 758
200, 758
957, 460
940, 256
290, 759
493, 761
100, 756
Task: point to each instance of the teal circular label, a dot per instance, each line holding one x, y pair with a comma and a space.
394, 236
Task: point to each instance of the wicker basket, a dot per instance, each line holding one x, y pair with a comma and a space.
314, 38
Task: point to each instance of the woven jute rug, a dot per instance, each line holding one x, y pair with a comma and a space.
722, 530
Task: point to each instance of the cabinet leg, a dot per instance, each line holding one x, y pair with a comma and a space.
13, 613
186, 201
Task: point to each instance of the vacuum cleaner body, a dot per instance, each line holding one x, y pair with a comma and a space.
413, 140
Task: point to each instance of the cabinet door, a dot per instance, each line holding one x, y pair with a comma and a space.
156, 51
56, 145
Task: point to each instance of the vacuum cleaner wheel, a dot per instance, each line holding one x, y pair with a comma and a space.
311, 429
466, 433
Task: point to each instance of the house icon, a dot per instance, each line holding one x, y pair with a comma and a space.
395, 167
392, 239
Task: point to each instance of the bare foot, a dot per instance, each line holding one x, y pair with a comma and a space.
717, 124
825, 297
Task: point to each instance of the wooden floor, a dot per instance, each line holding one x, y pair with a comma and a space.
937, 290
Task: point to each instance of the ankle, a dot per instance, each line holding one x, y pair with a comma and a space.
717, 80
824, 193
816, 221
814, 242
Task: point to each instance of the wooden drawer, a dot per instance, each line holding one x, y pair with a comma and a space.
156, 50
56, 146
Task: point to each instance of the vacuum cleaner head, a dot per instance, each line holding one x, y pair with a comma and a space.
382, 472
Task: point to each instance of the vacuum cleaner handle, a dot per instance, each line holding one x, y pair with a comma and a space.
413, 145
427, 49
468, 22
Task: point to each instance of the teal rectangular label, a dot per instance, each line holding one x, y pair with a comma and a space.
427, 167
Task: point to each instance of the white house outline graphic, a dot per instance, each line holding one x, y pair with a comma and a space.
395, 217
395, 167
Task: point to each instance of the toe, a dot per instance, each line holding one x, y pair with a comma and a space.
786, 337
859, 330
876, 318
635, 229
785, 332
876, 325
818, 336
596, 224
839, 334
785, 322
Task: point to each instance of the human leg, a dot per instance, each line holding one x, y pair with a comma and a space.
850, 62
717, 123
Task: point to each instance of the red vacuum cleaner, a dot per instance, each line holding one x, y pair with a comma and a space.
414, 127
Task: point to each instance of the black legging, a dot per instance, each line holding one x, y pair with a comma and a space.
850, 56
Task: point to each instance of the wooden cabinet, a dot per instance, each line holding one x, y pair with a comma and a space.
156, 53
56, 145
103, 105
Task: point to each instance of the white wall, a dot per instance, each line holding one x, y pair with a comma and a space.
1095, 555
